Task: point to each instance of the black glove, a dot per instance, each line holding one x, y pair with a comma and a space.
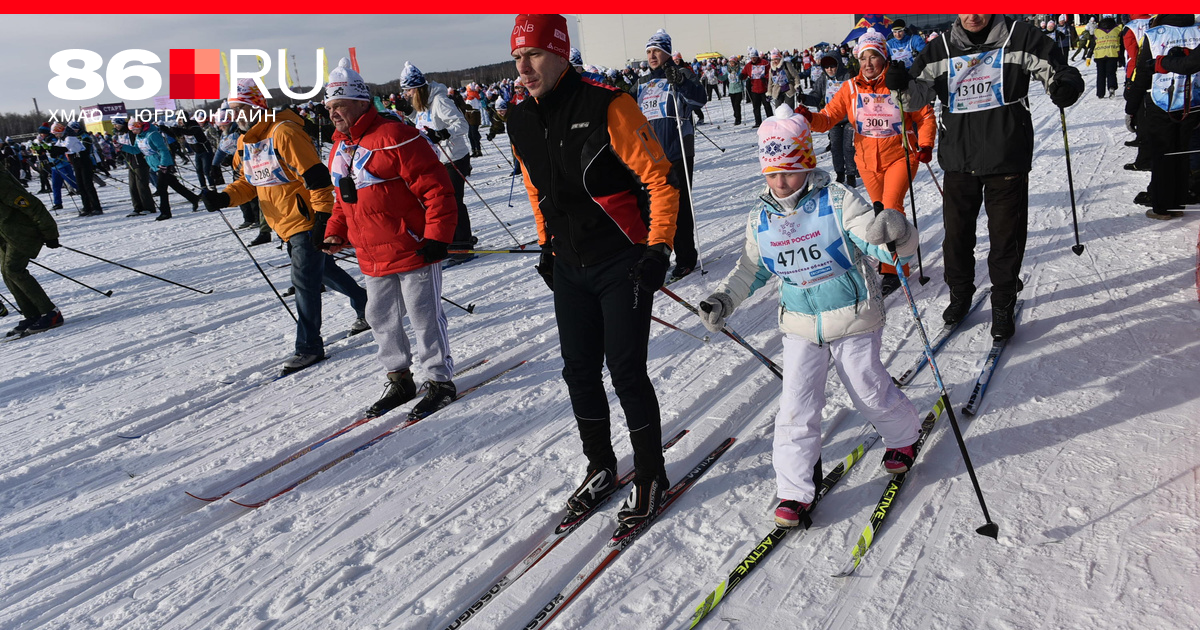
545, 266
433, 251
53, 243
170, 168
214, 201
1063, 94
58, 151
897, 78
650, 272
405, 107
215, 176
320, 220
438, 135
675, 75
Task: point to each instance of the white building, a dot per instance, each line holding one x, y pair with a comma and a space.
611, 40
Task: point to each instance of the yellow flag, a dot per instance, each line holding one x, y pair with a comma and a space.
228, 75
286, 73
325, 59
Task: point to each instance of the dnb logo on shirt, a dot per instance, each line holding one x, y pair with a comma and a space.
194, 73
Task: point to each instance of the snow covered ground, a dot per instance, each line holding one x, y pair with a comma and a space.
1086, 445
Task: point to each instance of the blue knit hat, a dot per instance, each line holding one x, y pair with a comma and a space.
576, 57
661, 41
411, 77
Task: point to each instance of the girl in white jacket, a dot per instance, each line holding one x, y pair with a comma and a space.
435, 113
816, 237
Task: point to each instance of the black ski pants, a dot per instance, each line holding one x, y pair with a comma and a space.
1169, 174
1005, 197
167, 181
84, 172
685, 223
458, 171
759, 101
735, 99
604, 317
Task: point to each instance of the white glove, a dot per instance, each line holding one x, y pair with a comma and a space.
886, 227
714, 310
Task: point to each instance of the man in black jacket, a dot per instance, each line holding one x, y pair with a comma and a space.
597, 179
1169, 102
980, 71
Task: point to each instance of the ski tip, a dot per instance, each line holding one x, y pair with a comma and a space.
968, 412
248, 505
205, 499
991, 530
130, 437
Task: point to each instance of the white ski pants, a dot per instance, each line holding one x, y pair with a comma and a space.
798, 425
418, 294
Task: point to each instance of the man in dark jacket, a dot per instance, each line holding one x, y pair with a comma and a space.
598, 181
668, 86
25, 225
1169, 102
981, 75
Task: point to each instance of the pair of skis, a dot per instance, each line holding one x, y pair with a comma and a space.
411, 420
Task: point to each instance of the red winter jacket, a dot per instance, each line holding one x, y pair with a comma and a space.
758, 85
404, 195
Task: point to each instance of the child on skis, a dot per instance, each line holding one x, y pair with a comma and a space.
816, 237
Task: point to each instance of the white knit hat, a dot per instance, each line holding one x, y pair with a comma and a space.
345, 83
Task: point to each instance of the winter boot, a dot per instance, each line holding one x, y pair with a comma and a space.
57, 206
851, 182
679, 272
400, 389
360, 325
261, 239
1004, 323
437, 395
1163, 216
1142, 198
960, 305
597, 486
898, 460
299, 361
644, 501
791, 513
20, 329
53, 319
163, 216
841, 178
890, 282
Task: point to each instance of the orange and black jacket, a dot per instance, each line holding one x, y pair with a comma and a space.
594, 170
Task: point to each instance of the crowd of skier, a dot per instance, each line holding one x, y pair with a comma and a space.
392, 187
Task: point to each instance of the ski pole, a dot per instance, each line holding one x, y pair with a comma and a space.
674, 327
729, 332
912, 198
485, 203
687, 178
989, 529
500, 152
495, 251
470, 308
935, 180
136, 270
260, 269
1077, 247
10, 303
104, 293
1182, 152
511, 180
709, 139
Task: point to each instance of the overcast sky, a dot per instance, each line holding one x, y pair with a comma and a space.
383, 42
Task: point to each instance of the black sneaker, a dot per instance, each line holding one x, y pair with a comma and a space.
359, 325
400, 389
597, 486
644, 501
1004, 324
53, 319
851, 182
20, 329
890, 282
960, 305
299, 361
437, 395
841, 178
678, 273
57, 206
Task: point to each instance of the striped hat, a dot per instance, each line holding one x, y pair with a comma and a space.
660, 40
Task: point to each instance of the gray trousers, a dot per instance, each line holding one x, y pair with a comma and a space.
418, 294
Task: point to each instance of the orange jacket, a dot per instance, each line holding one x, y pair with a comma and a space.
876, 154
289, 207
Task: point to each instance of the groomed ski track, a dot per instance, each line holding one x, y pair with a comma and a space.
1085, 444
